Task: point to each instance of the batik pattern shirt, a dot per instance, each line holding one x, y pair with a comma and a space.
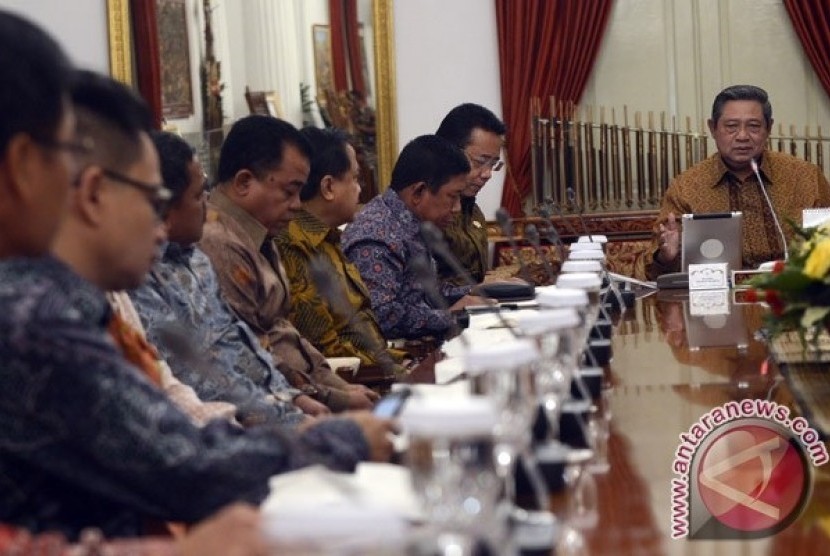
253, 282
467, 240
88, 441
207, 346
791, 183
381, 241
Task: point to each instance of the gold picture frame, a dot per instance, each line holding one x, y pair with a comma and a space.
120, 40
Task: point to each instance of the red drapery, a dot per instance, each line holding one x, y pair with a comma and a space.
811, 21
338, 50
546, 47
347, 65
147, 58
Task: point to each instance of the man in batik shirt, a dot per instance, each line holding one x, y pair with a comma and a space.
740, 124
330, 199
183, 313
385, 238
262, 167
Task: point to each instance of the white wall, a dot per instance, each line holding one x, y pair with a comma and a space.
79, 26
446, 54
676, 55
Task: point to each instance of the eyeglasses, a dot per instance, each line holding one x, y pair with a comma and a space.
158, 195
494, 164
80, 147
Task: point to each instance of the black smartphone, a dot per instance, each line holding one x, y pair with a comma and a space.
391, 405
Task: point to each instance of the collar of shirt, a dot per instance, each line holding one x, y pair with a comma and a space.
313, 230
409, 222
176, 252
721, 174
250, 225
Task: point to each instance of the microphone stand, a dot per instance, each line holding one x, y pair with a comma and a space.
754, 166
611, 285
506, 225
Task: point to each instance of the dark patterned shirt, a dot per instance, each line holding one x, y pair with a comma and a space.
467, 239
354, 334
218, 355
383, 238
709, 186
87, 441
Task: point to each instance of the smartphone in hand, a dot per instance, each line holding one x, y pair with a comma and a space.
391, 405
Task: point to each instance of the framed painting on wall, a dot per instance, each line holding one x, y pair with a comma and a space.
174, 54
321, 39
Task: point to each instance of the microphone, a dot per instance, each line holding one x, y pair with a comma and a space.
553, 236
436, 243
754, 166
556, 208
532, 235
506, 224
422, 267
579, 212
321, 272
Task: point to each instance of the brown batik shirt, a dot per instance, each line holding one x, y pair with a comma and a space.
792, 185
254, 284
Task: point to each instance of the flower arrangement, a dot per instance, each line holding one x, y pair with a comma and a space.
798, 290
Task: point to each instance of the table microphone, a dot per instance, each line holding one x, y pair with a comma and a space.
506, 224
579, 212
423, 270
436, 243
532, 235
754, 166
551, 233
556, 208
321, 272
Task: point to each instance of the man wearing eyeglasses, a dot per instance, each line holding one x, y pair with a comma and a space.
480, 134
87, 440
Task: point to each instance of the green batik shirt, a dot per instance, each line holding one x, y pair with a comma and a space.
334, 334
467, 238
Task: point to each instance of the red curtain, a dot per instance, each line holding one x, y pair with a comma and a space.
811, 21
353, 46
546, 47
147, 59
347, 65
338, 45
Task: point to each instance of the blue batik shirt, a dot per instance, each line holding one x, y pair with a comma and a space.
88, 441
206, 346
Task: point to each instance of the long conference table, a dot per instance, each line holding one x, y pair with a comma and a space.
656, 387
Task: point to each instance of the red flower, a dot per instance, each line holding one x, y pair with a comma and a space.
778, 267
751, 295
774, 301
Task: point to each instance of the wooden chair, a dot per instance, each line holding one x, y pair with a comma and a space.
265, 103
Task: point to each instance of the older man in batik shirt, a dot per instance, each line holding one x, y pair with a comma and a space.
740, 124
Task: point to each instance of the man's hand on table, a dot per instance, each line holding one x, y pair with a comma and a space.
310, 406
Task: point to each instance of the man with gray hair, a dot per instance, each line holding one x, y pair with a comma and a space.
740, 125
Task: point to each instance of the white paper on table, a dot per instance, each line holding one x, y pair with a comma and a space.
459, 389
373, 486
448, 369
